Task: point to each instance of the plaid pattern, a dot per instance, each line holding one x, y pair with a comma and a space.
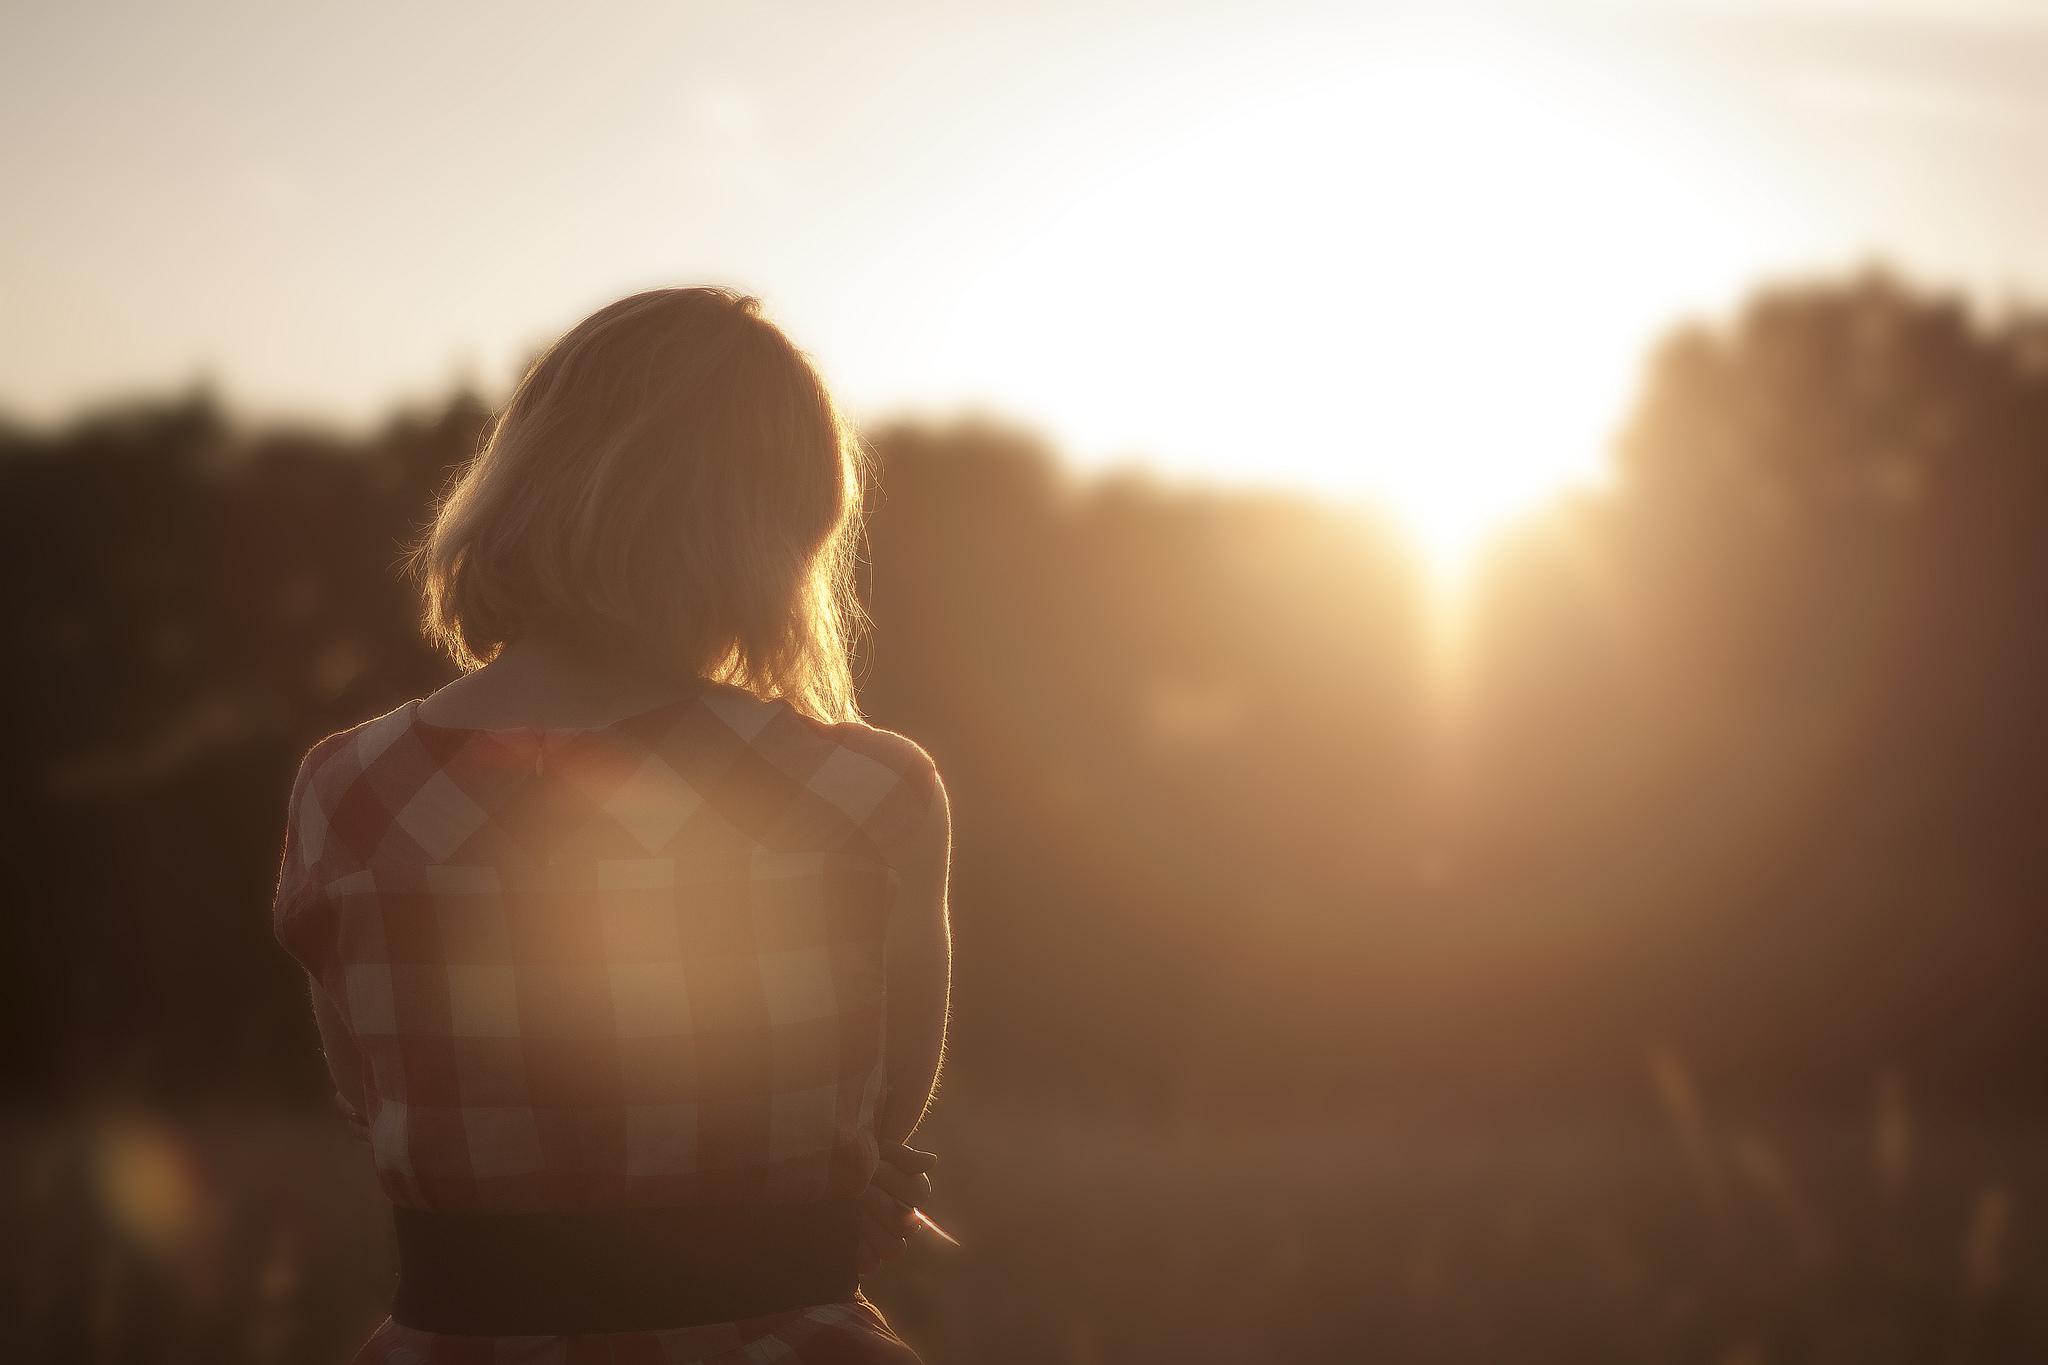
831, 1334
630, 967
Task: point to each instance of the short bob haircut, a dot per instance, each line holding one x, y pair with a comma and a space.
672, 484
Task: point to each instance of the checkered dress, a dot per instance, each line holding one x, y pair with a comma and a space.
636, 966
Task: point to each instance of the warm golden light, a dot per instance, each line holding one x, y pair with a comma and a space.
149, 1185
1428, 284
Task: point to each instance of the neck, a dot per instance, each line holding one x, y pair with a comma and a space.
570, 653
556, 677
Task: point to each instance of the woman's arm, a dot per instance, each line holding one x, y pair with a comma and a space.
917, 962
918, 966
344, 1059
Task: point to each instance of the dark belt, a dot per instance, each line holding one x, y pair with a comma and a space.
623, 1270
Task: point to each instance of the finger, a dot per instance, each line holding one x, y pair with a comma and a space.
905, 1157
882, 1214
358, 1126
885, 1209
871, 1243
885, 1249
886, 1245
908, 1159
911, 1191
888, 1242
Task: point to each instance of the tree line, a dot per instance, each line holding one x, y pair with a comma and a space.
1743, 756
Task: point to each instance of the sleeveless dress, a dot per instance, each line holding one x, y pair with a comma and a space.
631, 967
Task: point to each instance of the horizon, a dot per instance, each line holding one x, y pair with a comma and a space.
1468, 571
1236, 246
1445, 581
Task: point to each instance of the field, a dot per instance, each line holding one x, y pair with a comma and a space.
1745, 753
1648, 1237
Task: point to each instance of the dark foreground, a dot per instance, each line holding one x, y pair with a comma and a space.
260, 1237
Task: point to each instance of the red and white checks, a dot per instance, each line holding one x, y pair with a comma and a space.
634, 966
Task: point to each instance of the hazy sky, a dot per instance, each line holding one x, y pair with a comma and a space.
1346, 246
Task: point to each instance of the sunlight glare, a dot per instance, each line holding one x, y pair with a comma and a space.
1429, 285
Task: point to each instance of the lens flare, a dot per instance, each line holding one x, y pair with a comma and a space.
150, 1186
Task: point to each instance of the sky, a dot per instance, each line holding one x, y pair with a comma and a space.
1408, 252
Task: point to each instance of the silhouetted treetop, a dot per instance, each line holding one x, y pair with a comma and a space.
1748, 754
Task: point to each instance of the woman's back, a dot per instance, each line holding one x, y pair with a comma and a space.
629, 947
635, 965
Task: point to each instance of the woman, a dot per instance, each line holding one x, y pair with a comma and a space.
629, 948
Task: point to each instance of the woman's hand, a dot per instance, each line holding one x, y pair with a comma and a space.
900, 1185
358, 1126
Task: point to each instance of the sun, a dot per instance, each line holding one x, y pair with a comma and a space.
1428, 284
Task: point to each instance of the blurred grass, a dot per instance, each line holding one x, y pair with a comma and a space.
261, 1237
231, 1236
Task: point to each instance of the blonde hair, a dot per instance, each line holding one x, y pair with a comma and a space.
672, 483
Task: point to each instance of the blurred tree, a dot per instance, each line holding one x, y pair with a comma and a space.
1768, 710
1746, 753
